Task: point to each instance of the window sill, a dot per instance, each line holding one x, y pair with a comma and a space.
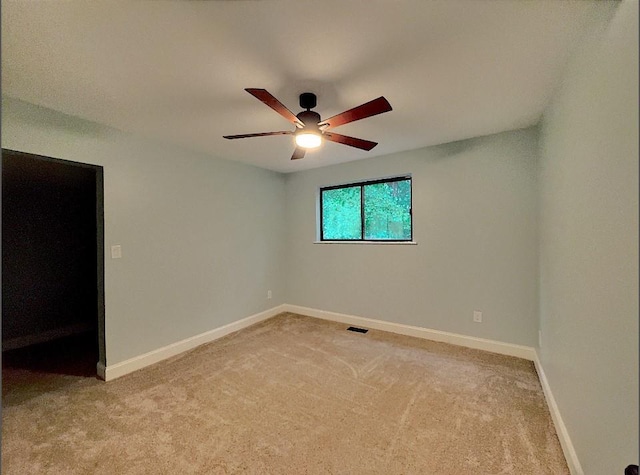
384, 243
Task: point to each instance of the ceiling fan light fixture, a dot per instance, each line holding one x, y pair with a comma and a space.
308, 139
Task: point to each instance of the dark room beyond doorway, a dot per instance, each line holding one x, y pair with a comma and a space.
52, 265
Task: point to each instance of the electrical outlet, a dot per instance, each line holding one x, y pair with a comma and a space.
477, 316
268, 294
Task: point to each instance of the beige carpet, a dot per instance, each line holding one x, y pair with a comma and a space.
293, 395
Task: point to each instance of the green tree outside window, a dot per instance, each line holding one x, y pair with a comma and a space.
371, 211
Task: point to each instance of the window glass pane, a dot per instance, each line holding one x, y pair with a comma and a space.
387, 210
341, 213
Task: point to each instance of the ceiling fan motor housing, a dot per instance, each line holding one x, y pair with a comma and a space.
308, 100
309, 118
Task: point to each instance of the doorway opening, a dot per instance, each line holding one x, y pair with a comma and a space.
52, 266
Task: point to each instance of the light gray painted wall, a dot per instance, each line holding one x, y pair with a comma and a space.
589, 247
475, 211
202, 239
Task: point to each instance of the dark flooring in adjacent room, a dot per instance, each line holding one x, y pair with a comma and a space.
38, 365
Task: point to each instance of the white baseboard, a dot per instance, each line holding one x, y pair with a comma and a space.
563, 435
509, 349
111, 372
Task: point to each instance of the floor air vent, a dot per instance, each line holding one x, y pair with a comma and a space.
358, 330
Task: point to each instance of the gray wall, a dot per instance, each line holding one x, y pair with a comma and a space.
589, 247
202, 239
474, 210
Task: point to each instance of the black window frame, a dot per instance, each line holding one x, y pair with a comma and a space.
362, 184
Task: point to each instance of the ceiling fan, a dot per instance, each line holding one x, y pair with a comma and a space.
310, 130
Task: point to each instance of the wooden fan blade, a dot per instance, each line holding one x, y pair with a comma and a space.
371, 108
266, 97
351, 141
261, 134
298, 153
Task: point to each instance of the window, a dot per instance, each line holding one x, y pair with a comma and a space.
377, 210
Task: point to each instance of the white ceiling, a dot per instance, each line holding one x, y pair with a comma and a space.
175, 71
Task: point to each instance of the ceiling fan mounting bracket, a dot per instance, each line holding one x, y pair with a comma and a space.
308, 100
